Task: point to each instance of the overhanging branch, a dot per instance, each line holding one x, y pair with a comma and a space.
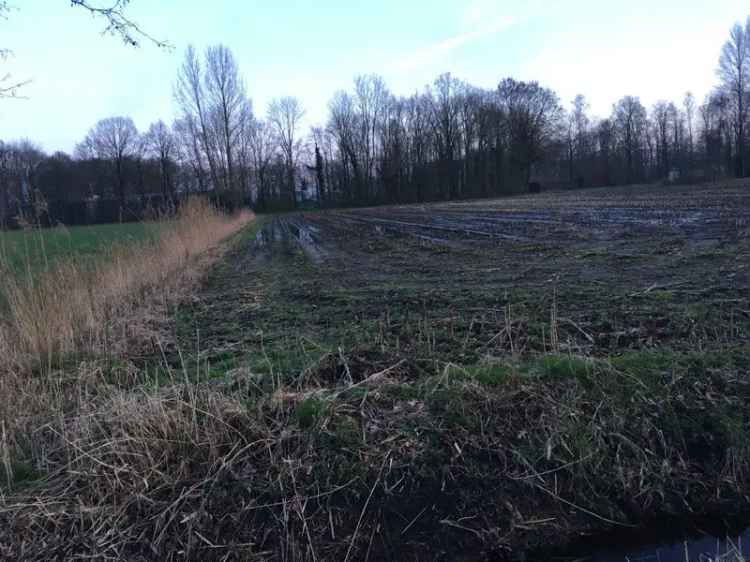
118, 23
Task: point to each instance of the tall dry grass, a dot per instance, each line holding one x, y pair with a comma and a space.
73, 307
62, 327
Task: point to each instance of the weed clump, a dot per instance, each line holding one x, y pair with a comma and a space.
565, 366
309, 411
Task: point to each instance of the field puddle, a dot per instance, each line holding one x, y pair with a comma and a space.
705, 548
284, 235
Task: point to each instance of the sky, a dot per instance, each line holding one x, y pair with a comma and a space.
655, 49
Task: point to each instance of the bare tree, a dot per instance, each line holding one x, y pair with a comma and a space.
160, 143
244, 158
29, 157
629, 119
689, 104
371, 96
212, 100
189, 92
605, 142
393, 141
712, 124
470, 108
343, 123
225, 93
262, 144
113, 140
444, 118
320, 178
677, 122
285, 115
661, 117
189, 152
20, 163
734, 72
492, 142
577, 136
533, 116
326, 143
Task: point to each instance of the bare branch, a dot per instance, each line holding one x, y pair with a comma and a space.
118, 23
11, 90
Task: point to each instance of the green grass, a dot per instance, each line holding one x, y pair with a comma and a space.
38, 248
309, 411
564, 366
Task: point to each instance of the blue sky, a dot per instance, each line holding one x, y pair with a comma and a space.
655, 49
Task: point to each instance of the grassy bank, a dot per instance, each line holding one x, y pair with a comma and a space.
74, 306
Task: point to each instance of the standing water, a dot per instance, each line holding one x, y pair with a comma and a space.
703, 549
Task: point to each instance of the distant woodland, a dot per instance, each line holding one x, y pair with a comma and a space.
451, 140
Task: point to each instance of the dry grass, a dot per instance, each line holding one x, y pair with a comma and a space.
249, 469
732, 557
72, 308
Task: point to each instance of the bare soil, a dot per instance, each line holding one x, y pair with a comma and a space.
543, 367
595, 272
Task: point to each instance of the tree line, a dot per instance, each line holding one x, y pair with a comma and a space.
450, 140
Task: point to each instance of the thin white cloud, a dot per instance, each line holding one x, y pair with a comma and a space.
436, 52
477, 11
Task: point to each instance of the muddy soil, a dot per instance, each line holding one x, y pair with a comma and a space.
596, 272
642, 279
